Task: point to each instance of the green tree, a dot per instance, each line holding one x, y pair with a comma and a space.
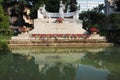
4, 21
94, 17
53, 5
117, 2
115, 20
4, 29
52, 8
16, 10
114, 28
35, 7
73, 6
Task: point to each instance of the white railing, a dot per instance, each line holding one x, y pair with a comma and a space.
65, 14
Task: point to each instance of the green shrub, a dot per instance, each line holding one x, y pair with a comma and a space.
3, 45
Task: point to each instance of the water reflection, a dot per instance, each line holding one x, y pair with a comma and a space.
61, 64
85, 72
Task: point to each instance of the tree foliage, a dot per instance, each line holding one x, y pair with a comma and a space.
35, 7
53, 8
73, 6
94, 17
53, 5
117, 2
114, 31
16, 10
115, 20
4, 21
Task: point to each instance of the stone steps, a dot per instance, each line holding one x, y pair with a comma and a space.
60, 43
14, 46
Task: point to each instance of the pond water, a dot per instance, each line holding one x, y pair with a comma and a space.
61, 64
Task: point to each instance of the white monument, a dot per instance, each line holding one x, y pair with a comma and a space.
59, 25
49, 26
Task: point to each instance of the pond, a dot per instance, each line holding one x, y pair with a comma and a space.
61, 64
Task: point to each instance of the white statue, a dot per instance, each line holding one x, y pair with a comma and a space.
76, 16
45, 14
42, 13
39, 13
61, 10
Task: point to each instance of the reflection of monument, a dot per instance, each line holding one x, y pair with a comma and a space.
47, 61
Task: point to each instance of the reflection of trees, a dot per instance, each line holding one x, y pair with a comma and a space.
59, 71
23, 68
107, 59
17, 67
114, 75
69, 73
5, 61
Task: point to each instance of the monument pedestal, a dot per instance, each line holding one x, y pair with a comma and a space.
96, 36
22, 36
67, 27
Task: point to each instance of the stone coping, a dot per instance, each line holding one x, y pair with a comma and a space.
59, 43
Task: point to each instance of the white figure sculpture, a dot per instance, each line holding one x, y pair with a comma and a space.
61, 10
76, 16
44, 11
39, 13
